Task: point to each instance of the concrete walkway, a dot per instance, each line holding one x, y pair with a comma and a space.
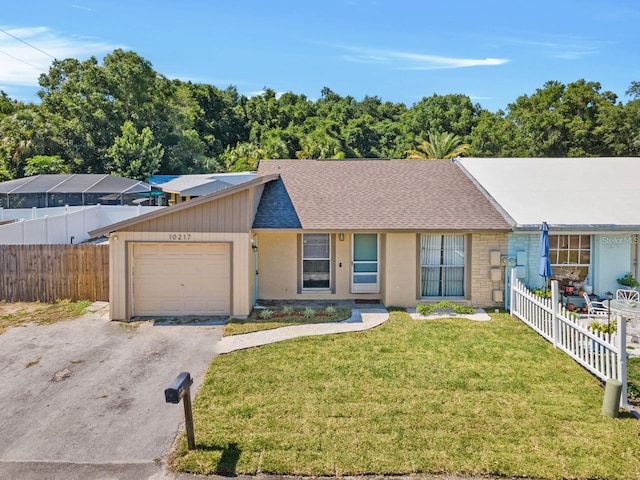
361, 320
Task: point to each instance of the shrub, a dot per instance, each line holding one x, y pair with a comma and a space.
266, 314
287, 309
608, 328
542, 292
423, 309
330, 310
309, 312
628, 281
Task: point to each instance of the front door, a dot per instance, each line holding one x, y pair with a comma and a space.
365, 277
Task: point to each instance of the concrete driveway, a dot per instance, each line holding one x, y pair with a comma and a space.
85, 398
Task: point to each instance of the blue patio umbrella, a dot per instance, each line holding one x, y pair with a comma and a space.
544, 266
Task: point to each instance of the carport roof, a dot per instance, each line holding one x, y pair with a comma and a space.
199, 184
73, 183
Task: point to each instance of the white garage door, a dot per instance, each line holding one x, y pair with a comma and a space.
181, 279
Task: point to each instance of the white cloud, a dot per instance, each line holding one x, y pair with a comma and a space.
563, 47
21, 64
415, 61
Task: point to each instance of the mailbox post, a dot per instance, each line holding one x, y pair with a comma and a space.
180, 389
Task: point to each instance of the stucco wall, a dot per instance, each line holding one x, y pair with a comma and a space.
401, 280
120, 275
529, 245
399, 269
611, 259
278, 265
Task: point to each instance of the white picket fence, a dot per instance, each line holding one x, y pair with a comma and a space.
602, 354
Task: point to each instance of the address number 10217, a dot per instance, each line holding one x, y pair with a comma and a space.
179, 236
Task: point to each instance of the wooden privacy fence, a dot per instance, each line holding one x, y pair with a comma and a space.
602, 354
46, 273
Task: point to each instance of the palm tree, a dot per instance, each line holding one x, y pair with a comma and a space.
439, 145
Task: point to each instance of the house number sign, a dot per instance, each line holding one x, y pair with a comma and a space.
179, 236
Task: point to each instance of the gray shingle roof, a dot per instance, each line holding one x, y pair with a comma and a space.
275, 209
374, 195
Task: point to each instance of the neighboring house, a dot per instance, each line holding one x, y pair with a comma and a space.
590, 205
395, 231
58, 209
180, 188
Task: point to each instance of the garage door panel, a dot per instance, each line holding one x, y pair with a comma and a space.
181, 279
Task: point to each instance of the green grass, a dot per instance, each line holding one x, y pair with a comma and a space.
13, 315
633, 376
283, 317
447, 396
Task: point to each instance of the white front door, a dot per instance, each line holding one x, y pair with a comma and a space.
365, 276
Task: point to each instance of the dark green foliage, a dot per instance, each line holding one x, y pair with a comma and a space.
200, 128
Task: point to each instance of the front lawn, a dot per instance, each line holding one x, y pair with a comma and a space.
16, 314
444, 396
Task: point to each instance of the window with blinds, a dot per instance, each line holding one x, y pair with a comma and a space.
442, 259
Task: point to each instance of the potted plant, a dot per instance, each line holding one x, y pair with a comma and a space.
628, 281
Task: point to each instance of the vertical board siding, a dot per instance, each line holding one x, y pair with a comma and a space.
232, 214
47, 273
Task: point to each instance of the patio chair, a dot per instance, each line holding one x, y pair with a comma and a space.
594, 307
623, 294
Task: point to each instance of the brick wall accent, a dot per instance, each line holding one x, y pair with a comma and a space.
481, 284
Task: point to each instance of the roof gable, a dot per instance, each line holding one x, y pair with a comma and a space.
378, 195
275, 209
184, 208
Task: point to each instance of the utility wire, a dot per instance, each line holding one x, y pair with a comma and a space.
20, 60
26, 43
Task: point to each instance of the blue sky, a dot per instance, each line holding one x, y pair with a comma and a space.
398, 50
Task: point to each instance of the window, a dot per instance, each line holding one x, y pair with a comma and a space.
442, 259
570, 257
316, 261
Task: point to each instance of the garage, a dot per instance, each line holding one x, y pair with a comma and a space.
178, 279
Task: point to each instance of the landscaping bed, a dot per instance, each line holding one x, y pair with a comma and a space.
284, 316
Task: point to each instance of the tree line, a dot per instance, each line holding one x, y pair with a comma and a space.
123, 117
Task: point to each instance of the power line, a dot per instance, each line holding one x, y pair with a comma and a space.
26, 43
20, 60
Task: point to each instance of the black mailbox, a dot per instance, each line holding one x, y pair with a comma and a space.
178, 387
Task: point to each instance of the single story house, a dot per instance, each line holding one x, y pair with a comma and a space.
180, 188
395, 231
589, 204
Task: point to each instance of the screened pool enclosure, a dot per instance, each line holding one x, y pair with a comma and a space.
77, 189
